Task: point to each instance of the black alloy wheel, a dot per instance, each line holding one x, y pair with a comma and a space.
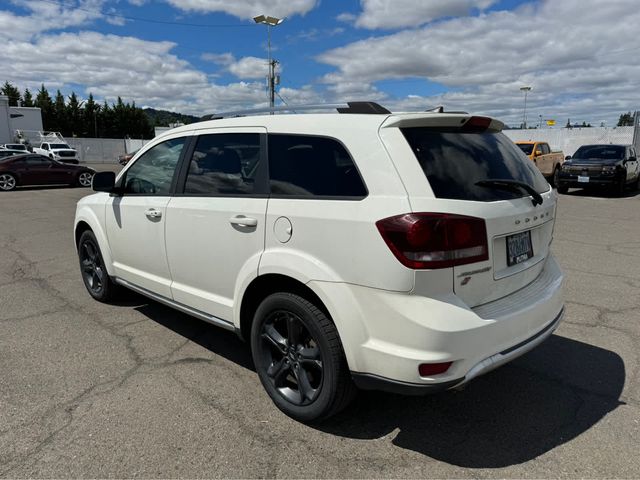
299, 358
94, 274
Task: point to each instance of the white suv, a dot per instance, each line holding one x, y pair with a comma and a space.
401, 252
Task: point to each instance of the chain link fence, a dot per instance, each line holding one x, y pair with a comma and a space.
570, 139
103, 150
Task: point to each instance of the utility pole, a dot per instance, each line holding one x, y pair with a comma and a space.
272, 79
526, 90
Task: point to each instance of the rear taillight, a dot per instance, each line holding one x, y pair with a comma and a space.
476, 125
435, 240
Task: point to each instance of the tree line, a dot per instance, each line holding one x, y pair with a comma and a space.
83, 118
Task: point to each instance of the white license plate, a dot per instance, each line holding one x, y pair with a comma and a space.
582, 179
519, 248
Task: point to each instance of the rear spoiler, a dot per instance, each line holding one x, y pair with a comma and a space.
468, 123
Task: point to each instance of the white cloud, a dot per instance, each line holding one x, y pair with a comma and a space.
247, 9
46, 16
566, 50
246, 68
390, 14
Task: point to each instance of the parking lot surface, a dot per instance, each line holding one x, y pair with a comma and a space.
139, 390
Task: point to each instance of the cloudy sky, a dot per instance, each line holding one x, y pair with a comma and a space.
205, 56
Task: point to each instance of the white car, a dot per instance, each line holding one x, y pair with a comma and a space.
402, 252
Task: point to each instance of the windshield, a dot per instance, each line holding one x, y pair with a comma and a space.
454, 162
527, 148
59, 145
605, 152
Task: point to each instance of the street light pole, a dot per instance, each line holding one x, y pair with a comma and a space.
526, 90
270, 22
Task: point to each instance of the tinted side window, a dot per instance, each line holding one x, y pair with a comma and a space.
153, 172
224, 164
37, 161
545, 149
312, 166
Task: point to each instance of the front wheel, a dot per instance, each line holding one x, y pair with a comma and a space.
84, 179
94, 273
7, 182
299, 358
562, 188
618, 188
555, 178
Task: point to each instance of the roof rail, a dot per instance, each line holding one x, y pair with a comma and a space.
348, 107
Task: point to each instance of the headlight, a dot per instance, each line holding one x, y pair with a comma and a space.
566, 167
609, 169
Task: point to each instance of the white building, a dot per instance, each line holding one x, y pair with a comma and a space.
17, 118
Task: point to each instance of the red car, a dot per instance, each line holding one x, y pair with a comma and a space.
33, 169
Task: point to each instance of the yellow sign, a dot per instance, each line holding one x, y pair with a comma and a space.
551, 123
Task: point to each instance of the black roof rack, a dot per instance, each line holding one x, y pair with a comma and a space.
371, 108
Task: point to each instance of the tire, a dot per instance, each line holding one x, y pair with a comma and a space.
94, 274
7, 182
299, 358
555, 178
84, 179
618, 188
562, 188
636, 183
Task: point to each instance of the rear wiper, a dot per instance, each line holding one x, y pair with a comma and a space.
511, 185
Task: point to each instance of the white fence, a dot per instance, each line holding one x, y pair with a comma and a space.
103, 150
570, 139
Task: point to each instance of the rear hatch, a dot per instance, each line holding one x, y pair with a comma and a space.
473, 170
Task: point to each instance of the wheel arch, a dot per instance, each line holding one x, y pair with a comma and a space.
263, 286
87, 220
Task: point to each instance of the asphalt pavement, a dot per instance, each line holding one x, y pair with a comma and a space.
136, 389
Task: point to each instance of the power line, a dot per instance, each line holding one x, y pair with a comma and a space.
147, 20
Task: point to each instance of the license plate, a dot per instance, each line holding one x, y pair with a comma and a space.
519, 248
582, 179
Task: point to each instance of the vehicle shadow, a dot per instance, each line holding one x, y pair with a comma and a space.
514, 414
509, 416
600, 193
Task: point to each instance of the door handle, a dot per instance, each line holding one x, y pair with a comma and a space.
153, 213
243, 221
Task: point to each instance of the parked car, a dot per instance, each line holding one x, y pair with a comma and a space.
4, 152
58, 151
32, 169
14, 146
549, 163
125, 157
613, 167
399, 252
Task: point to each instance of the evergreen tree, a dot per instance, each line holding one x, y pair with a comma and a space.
27, 98
74, 115
43, 101
625, 120
60, 115
90, 115
12, 92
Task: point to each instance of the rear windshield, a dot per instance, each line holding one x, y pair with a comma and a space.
527, 148
453, 162
605, 152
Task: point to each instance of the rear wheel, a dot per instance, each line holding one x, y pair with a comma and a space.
94, 274
7, 182
299, 358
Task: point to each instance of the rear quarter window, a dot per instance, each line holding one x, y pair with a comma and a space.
454, 162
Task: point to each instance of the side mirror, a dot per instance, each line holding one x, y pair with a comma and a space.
538, 152
632, 159
568, 157
103, 182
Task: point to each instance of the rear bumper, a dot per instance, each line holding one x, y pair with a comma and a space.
387, 335
374, 382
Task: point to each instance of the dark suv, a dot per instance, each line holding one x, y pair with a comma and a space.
609, 166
